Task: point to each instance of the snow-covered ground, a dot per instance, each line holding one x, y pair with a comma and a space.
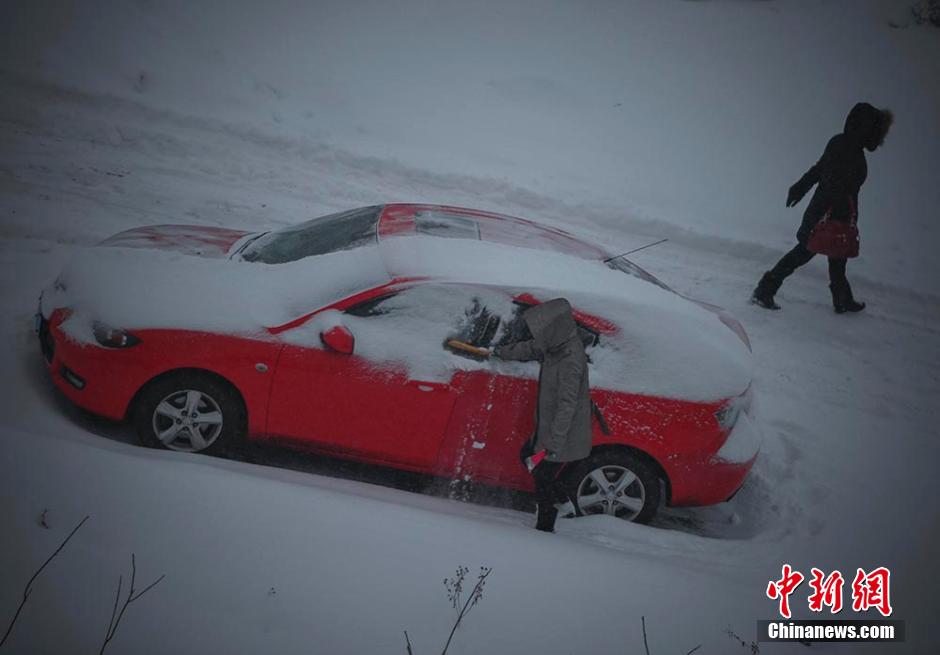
116, 115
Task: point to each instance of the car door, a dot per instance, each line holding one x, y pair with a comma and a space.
388, 401
495, 413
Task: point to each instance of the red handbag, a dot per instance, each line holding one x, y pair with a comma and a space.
835, 238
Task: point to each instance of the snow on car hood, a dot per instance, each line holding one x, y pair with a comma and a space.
667, 345
140, 288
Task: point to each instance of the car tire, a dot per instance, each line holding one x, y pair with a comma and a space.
633, 488
190, 412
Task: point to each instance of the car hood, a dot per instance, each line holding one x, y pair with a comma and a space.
198, 240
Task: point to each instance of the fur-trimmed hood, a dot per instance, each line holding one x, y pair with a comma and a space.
867, 125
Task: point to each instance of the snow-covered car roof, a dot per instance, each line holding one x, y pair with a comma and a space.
381, 225
450, 222
473, 224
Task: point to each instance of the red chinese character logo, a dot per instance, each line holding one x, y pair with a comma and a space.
783, 587
826, 592
872, 590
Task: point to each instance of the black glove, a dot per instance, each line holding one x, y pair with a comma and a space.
794, 195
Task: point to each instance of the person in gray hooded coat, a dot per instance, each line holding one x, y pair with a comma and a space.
563, 409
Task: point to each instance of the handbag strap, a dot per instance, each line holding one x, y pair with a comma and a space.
605, 429
853, 213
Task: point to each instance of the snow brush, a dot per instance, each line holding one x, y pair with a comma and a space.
461, 347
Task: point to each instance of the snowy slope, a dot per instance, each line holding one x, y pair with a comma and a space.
848, 404
692, 115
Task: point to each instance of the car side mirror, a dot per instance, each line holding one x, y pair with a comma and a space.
339, 339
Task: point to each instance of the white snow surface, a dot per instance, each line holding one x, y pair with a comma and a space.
619, 121
670, 117
667, 346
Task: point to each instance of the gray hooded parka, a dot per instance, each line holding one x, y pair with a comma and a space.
563, 414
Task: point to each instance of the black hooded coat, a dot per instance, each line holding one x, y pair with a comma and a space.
841, 170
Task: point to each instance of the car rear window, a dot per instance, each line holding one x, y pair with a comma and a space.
325, 234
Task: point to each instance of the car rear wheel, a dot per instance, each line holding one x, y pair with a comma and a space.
189, 412
616, 483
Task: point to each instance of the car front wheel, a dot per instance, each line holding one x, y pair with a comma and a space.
616, 483
189, 412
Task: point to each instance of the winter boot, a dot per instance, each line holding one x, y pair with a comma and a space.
842, 300
545, 518
763, 295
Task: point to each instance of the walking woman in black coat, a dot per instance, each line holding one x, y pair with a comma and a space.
828, 226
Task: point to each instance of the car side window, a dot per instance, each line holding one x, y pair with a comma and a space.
516, 329
408, 329
427, 316
478, 325
371, 307
442, 224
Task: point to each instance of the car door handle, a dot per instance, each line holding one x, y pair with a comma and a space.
428, 386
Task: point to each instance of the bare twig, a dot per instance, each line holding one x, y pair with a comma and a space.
471, 601
646, 645
454, 589
117, 598
755, 649
29, 585
116, 615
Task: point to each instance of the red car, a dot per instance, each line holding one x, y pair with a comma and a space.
330, 337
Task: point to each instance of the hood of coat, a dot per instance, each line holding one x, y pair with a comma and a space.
868, 125
551, 324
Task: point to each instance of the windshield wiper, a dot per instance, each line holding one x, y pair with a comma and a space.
248, 243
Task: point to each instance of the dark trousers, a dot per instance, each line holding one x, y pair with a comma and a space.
547, 493
798, 256
547, 490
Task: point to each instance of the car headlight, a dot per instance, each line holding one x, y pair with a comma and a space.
111, 337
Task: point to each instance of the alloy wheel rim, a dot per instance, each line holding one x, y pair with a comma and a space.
613, 490
188, 421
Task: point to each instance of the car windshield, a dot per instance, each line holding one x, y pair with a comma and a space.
342, 231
